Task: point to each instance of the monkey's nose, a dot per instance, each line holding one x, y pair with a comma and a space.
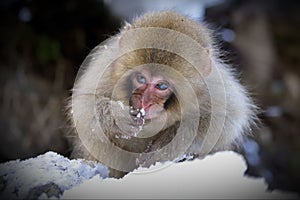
147, 101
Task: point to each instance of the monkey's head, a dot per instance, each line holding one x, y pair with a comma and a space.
157, 61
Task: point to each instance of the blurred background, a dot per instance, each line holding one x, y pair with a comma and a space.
43, 43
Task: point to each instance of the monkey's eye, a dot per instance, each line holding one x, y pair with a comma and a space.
141, 79
162, 86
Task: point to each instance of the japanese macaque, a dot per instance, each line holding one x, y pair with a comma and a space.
157, 92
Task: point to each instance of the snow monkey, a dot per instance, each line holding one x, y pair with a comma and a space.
157, 92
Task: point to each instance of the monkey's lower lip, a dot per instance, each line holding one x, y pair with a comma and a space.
148, 113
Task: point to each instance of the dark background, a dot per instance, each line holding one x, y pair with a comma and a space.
43, 43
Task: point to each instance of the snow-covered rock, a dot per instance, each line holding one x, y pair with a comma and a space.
217, 176
50, 172
51, 175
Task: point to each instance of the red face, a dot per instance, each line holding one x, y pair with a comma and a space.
149, 94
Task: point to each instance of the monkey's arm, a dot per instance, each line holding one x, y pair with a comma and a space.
94, 117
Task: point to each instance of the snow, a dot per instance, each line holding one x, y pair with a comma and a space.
143, 112
216, 176
23, 176
141, 116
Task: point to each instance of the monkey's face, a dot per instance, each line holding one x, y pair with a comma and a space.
149, 95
